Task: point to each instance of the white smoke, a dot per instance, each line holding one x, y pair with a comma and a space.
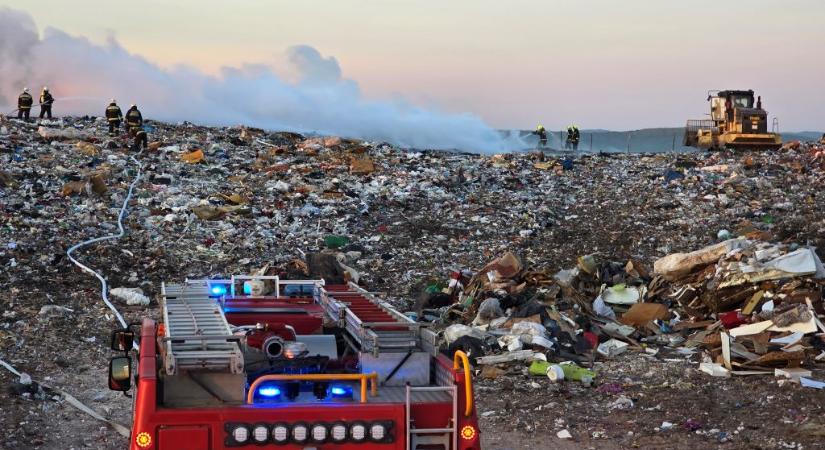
86, 75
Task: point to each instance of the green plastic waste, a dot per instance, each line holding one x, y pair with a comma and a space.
433, 288
333, 241
539, 368
574, 372
571, 371
468, 301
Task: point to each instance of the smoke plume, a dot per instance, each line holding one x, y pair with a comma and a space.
85, 75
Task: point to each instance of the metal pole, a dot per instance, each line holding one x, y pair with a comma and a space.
591, 142
629, 135
673, 147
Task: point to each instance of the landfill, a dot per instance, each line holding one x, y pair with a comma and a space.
669, 300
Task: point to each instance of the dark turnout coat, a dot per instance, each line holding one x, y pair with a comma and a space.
113, 113
25, 101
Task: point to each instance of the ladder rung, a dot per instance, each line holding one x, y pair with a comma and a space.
431, 430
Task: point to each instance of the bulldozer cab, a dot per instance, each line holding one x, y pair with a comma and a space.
722, 103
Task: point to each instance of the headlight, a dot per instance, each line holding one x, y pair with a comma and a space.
260, 434
378, 431
299, 433
280, 433
319, 433
240, 433
339, 432
358, 432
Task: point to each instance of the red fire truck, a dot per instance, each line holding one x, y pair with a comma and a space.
257, 361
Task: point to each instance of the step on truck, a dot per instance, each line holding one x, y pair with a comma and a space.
259, 362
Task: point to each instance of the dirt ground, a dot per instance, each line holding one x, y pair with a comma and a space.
737, 413
614, 205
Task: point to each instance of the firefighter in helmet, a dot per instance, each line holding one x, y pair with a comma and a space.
134, 119
576, 137
573, 135
541, 132
46, 101
114, 116
24, 105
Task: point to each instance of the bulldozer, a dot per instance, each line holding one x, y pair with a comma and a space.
735, 123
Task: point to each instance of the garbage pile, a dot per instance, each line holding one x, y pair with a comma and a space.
750, 307
765, 301
524, 260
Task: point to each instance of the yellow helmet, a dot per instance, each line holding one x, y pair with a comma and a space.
538, 127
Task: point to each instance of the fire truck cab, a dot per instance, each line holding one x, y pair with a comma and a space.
256, 361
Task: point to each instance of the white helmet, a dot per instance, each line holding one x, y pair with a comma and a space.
45, 88
133, 106
25, 89
114, 101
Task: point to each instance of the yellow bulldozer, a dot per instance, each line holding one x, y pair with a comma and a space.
735, 122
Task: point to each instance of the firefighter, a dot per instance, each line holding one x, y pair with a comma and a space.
24, 105
576, 136
141, 138
759, 102
46, 101
542, 134
114, 116
134, 119
568, 143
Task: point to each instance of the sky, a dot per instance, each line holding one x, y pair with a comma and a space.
606, 64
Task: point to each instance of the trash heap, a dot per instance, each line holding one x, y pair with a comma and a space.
482, 238
757, 306
743, 306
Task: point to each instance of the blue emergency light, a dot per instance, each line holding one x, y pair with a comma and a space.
269, 391
339, 391
218, 289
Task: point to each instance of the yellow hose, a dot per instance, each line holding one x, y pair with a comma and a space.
468, 381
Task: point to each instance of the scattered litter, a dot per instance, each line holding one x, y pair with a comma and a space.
132, 296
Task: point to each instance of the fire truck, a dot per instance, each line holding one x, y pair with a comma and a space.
256, 361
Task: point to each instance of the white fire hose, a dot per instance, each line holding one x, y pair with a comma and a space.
104, 287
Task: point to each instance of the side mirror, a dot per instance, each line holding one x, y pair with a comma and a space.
120, 373
122, 340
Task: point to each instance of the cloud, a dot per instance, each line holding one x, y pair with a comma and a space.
83, 76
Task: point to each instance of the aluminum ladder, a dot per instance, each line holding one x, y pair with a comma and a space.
197, 335
374, 324
446, 437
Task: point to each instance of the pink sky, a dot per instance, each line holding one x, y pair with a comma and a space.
599, 63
